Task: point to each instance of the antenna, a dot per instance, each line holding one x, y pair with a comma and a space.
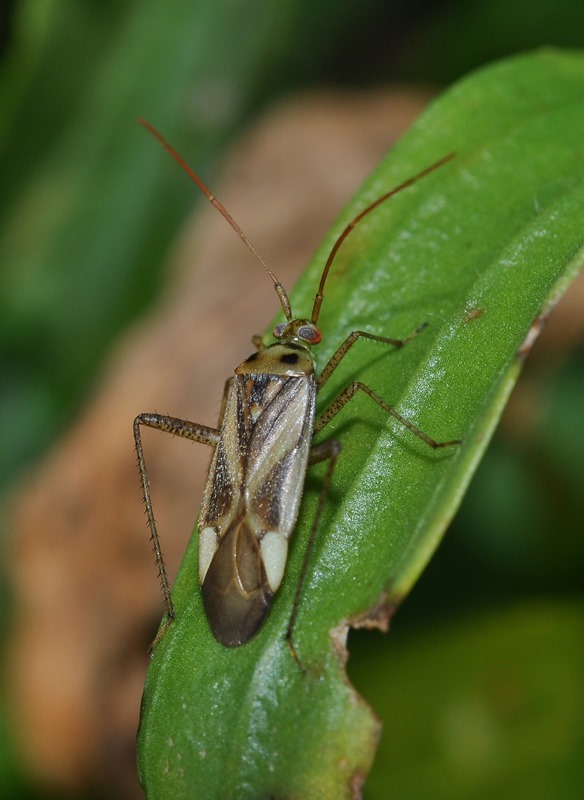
320, 294
280, 291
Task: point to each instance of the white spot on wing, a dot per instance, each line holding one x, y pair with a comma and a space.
274, 550
207, 549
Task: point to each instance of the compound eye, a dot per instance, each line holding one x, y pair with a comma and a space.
310, 334
279, 330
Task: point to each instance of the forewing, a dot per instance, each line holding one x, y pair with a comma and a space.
278, 456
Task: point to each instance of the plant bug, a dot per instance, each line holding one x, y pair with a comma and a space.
261, 451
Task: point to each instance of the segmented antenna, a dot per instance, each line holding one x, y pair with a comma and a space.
320, 293
280, 291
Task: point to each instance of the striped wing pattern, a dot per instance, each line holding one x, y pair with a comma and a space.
252, 498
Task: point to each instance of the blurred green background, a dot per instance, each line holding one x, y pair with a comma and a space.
83, 238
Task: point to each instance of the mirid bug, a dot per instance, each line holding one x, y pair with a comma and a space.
262, 449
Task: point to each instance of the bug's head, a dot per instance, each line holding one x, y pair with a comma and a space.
298, 331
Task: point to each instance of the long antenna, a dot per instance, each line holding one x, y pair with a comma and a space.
280, 291
320, 294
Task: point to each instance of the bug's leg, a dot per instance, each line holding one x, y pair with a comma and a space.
321, 452
186, 430
258, 342
342, 351
349, 391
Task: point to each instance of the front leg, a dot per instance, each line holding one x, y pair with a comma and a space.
186, 430
258, 342
342, 351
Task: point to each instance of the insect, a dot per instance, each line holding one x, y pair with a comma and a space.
261, 451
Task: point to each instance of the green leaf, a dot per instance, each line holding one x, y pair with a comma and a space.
507, 722
481, 249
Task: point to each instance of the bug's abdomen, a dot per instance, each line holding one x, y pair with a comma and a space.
236, 592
